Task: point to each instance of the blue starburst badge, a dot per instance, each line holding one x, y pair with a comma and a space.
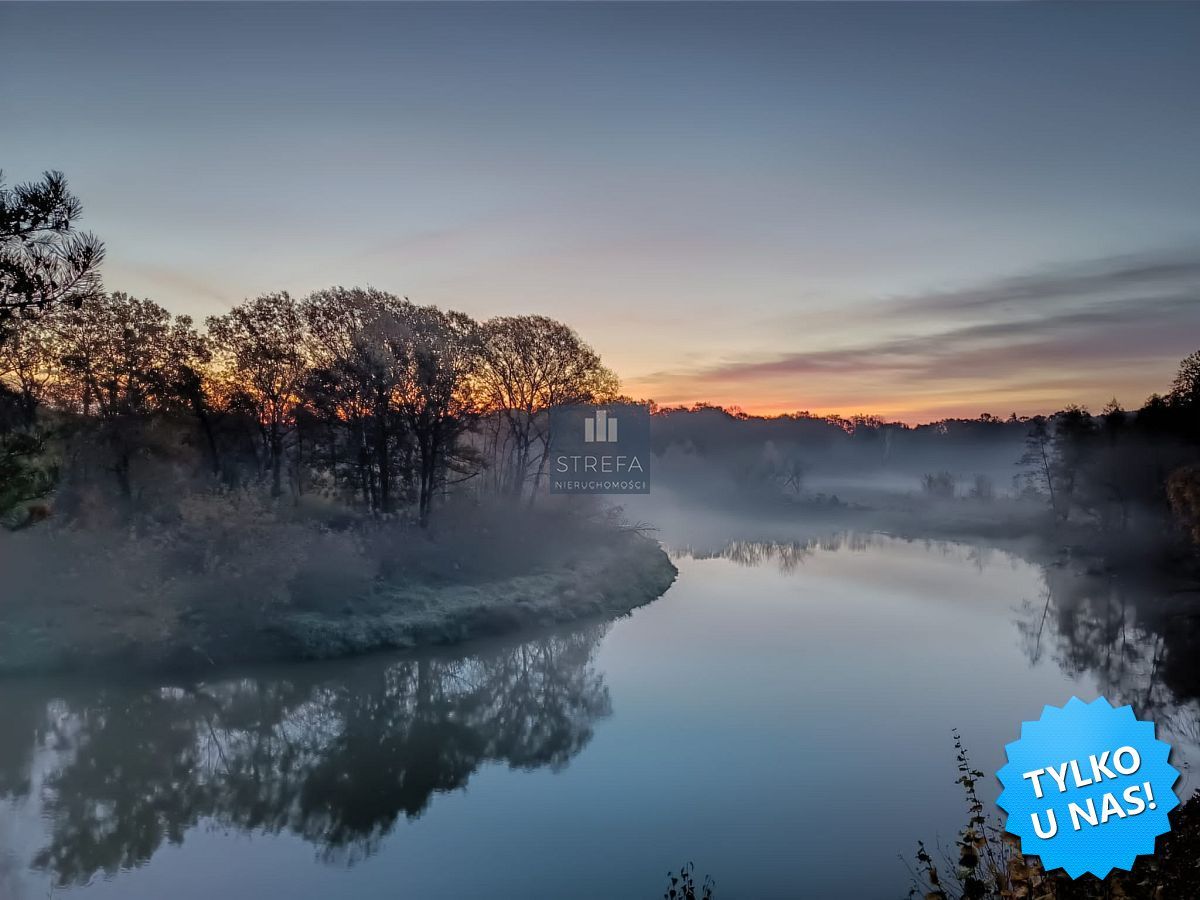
1088, 787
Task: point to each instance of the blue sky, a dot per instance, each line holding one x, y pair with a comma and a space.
917, 209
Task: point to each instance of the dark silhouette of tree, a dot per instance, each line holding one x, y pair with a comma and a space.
353, 393
530, 365
353, 387
1112, 468
439, 352
1185, 389
122, 360
27, 365
1037, 461
260, 343
44, 259
1074, 431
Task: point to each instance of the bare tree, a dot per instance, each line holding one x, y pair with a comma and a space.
1037, 459
440, 351
357, 371
122, 359
27, 364
530, 365
260, 342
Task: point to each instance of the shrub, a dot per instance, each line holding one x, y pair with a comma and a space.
683, 885
983, 489
938, 484
1183, 491
990, 866
25, 474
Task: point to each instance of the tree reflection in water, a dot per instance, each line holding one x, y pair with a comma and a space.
1137, 638
789, 556
335, 754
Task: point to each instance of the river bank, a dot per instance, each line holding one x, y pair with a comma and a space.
79, 618
609, 581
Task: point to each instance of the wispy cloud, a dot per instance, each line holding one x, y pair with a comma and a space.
1013, 340
157, 281
1090, 282
1116, 324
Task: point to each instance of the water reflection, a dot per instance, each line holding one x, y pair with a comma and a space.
1136, 638
846, 653
788, 556
335, 754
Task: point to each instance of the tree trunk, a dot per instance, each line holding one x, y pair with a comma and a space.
276, 461
210, 438
383, 462
428, 445
1049, 479
29, 407
541, 470
121, 470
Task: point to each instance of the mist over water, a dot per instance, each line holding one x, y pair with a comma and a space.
786, 707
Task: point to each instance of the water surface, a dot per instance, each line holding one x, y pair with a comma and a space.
782, 716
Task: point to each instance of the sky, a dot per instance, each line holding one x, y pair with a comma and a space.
914, 210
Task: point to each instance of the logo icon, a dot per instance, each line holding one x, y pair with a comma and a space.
600, 428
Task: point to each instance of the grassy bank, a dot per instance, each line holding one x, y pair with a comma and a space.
610, 580
234, 579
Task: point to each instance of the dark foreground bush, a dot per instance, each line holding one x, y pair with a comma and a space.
683, 885
987, 863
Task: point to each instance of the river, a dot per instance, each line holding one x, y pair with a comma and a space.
782, 717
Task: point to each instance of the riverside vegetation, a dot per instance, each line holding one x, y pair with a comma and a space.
299, 477
987, 864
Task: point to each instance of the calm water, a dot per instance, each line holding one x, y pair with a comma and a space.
782, 717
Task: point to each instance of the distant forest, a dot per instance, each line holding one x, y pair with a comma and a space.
1103, 469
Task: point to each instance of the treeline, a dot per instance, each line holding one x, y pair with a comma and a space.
834, 444
350, 392
1104, 468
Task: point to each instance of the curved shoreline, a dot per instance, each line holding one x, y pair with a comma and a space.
612, 580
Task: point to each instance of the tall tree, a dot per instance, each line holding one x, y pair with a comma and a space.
440, 354
1074, 439
1038, 459
1185, 390
261, 344
530, 365
123, 359
357, 370
27, 364
44, 258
